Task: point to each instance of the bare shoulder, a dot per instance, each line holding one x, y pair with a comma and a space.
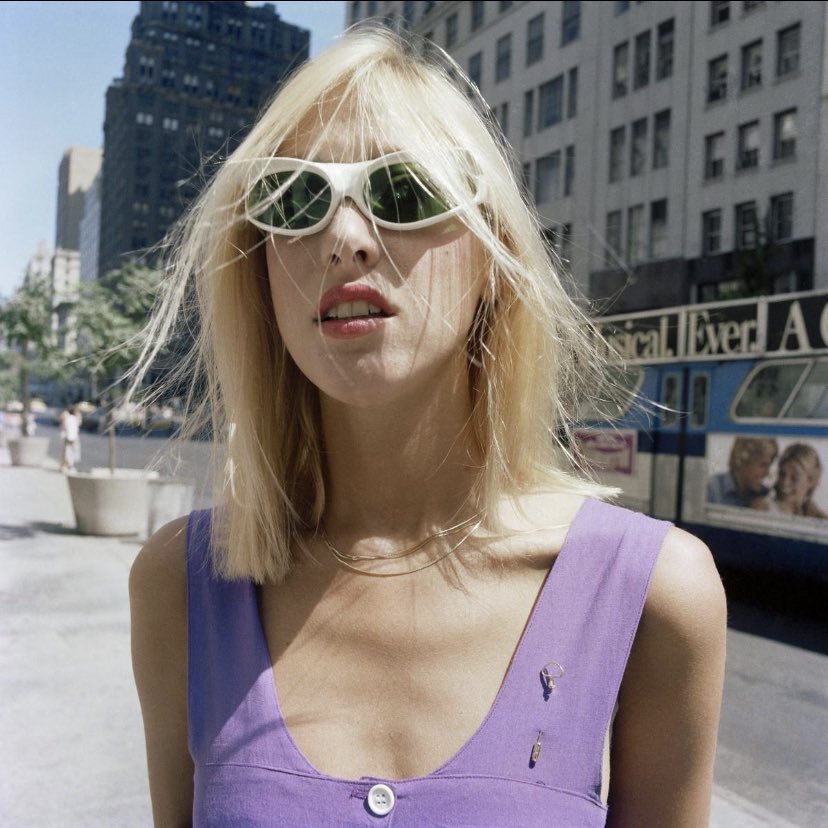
161, 563
158, 607
664, 737
686, 594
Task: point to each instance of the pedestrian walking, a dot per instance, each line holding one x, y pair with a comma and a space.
408, 601
69, 422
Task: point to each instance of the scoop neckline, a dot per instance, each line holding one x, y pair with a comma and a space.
274, 707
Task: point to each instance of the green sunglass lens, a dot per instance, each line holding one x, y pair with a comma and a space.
289, 200
401, 194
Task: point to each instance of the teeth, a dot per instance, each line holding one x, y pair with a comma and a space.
349, 310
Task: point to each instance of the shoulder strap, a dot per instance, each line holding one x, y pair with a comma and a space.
224, 659
585, 621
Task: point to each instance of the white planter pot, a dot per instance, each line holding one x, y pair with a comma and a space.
28, 451
110, 504
169, 498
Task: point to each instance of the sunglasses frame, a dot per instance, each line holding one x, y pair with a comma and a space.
345, 181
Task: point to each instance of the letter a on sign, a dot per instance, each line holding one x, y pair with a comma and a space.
795, 326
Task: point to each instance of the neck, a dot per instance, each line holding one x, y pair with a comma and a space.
402, 469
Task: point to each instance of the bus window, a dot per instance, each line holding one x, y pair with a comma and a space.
767, 390
670, 393
698, 401
811, 400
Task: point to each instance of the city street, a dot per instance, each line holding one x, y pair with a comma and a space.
71, 744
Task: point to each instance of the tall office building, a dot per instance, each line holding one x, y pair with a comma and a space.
195, 76
675, 150
77, 171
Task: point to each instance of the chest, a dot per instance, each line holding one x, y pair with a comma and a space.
387, 678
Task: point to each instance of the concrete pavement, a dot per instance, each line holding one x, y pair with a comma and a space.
71, 739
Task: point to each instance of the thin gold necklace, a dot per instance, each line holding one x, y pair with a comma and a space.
347, 560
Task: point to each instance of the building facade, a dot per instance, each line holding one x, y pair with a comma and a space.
77, 171
195, 77
673, 149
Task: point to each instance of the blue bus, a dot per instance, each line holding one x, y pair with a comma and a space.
734, 443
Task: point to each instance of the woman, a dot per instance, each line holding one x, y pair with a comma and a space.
407, 604
797, 478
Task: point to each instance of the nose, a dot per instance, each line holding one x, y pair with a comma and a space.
350, 239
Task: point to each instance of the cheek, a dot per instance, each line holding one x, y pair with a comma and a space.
289, 289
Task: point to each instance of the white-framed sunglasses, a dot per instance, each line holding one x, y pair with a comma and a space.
296, 197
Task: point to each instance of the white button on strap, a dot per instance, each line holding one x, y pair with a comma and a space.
380, 800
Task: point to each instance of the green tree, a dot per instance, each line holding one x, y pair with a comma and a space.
26, 326
109, 316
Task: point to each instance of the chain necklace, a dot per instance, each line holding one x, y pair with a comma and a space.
347, 560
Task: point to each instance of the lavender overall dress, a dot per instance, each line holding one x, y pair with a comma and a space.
249, 772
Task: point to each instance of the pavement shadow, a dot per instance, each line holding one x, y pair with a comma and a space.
53, 528
15, 532
785, 608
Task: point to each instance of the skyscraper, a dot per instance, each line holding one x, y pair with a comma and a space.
195, 76
77, 171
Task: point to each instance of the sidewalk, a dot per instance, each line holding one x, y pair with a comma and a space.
71, 739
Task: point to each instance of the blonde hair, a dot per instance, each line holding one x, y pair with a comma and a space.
747, 449
533, 357
807, 458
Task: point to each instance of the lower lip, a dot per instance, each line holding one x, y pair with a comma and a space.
351, 328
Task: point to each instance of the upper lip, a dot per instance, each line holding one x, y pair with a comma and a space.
353, 292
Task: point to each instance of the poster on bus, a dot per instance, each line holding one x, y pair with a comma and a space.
769, 481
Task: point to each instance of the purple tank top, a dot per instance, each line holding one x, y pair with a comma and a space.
249, 772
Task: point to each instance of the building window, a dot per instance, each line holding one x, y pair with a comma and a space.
636, 234
711, 232
781, 214
548, 178
550, 103
569, 169
748, 153
170, 124
620, 69
534, 40
752, 65
658, 229
616, 153
528, 111
451, 30
714, 155
614, 243
503, 66
641, 75
664, 49
502, 114
477, 13
747, 224
717, 79
144, 118
787, 51
785, 133
572, 93
638, 146
661, 139
476, 68
719, 12
570, 21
